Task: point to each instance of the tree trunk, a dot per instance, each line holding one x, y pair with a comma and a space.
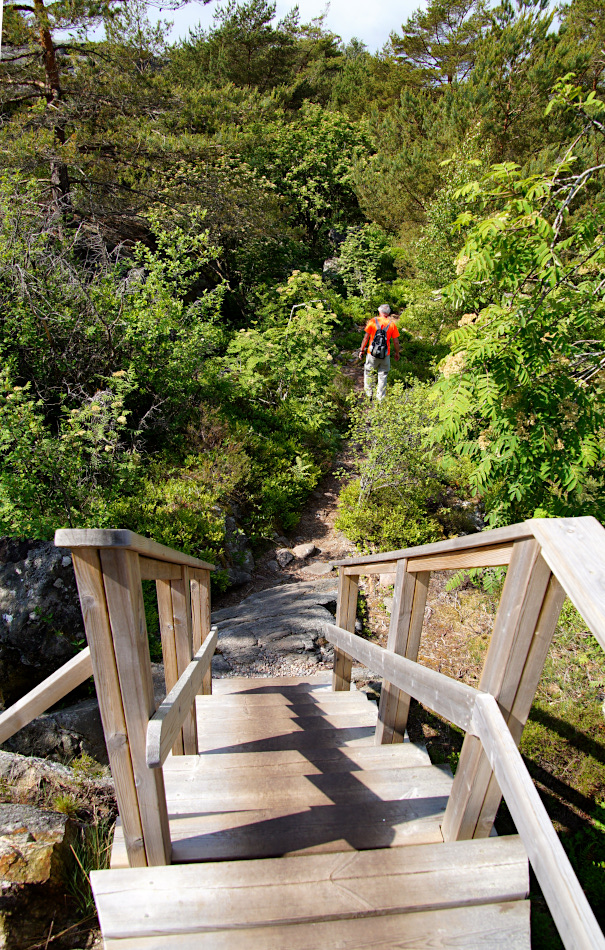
59, 175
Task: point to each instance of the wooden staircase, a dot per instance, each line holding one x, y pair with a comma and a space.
291, 814
317, 838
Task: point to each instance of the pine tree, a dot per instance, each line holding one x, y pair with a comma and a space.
45, 64
438, 45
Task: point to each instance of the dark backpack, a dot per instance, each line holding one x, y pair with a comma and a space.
379, 347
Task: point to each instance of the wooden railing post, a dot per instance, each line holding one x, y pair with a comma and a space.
89, 578
124, 596
200, 614
183, 639
524, 626
407, 615
171, 669
346, 611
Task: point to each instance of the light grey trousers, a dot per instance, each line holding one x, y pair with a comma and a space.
382, 367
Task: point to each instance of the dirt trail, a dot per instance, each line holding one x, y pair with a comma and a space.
316, 525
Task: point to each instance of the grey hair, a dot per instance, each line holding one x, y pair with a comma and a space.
384, 308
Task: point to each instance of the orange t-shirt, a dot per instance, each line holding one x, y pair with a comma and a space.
392, 332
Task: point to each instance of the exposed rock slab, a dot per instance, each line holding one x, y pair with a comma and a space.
35, 857
303, 551
34, 845
283, 620
319, 568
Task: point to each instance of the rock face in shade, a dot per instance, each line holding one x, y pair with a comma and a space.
67, 733
35, 858
284, 556
41, 623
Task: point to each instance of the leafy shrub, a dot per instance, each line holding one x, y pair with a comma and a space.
365, 259
398, 498
521, 394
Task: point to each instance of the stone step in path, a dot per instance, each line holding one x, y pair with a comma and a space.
278, 630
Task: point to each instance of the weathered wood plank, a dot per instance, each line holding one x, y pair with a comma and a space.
494, 556
571, 911
254, 789
235, 835
574, 549
46, 694
302, 720
301, 762
279, 705
271, 737
379, 567
512, 533
121, 538
200, 619
346, 612
520, 703
257, 685
359, 714
407, 617
443, 695
471, 811
310, 888
183, 640
171, 667
486, 927
124, 595
272, 832
89, 578
166, 723
152, 570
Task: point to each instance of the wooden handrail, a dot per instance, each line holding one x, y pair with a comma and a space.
126, 541
46, 694
574, 549
482, 539
478, 714
442, 694
566, 900
164, 726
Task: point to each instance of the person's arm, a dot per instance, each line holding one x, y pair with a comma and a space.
364, 343
396, 348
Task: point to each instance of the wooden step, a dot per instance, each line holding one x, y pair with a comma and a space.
254, 789
271, 832
255, 686
298, 902
285, 695
303, 762
237, 720
275, 736
504, 926
282, 702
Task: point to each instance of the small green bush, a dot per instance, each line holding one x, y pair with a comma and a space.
400, 497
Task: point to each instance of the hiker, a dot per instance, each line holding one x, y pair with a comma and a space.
380, 331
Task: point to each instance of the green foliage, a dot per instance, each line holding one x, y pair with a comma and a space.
310, 160
489, 579
92, 852
66, 804
68, 475
439, 243
398, 498
521, 394
439, 45
364, 259
243, 47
